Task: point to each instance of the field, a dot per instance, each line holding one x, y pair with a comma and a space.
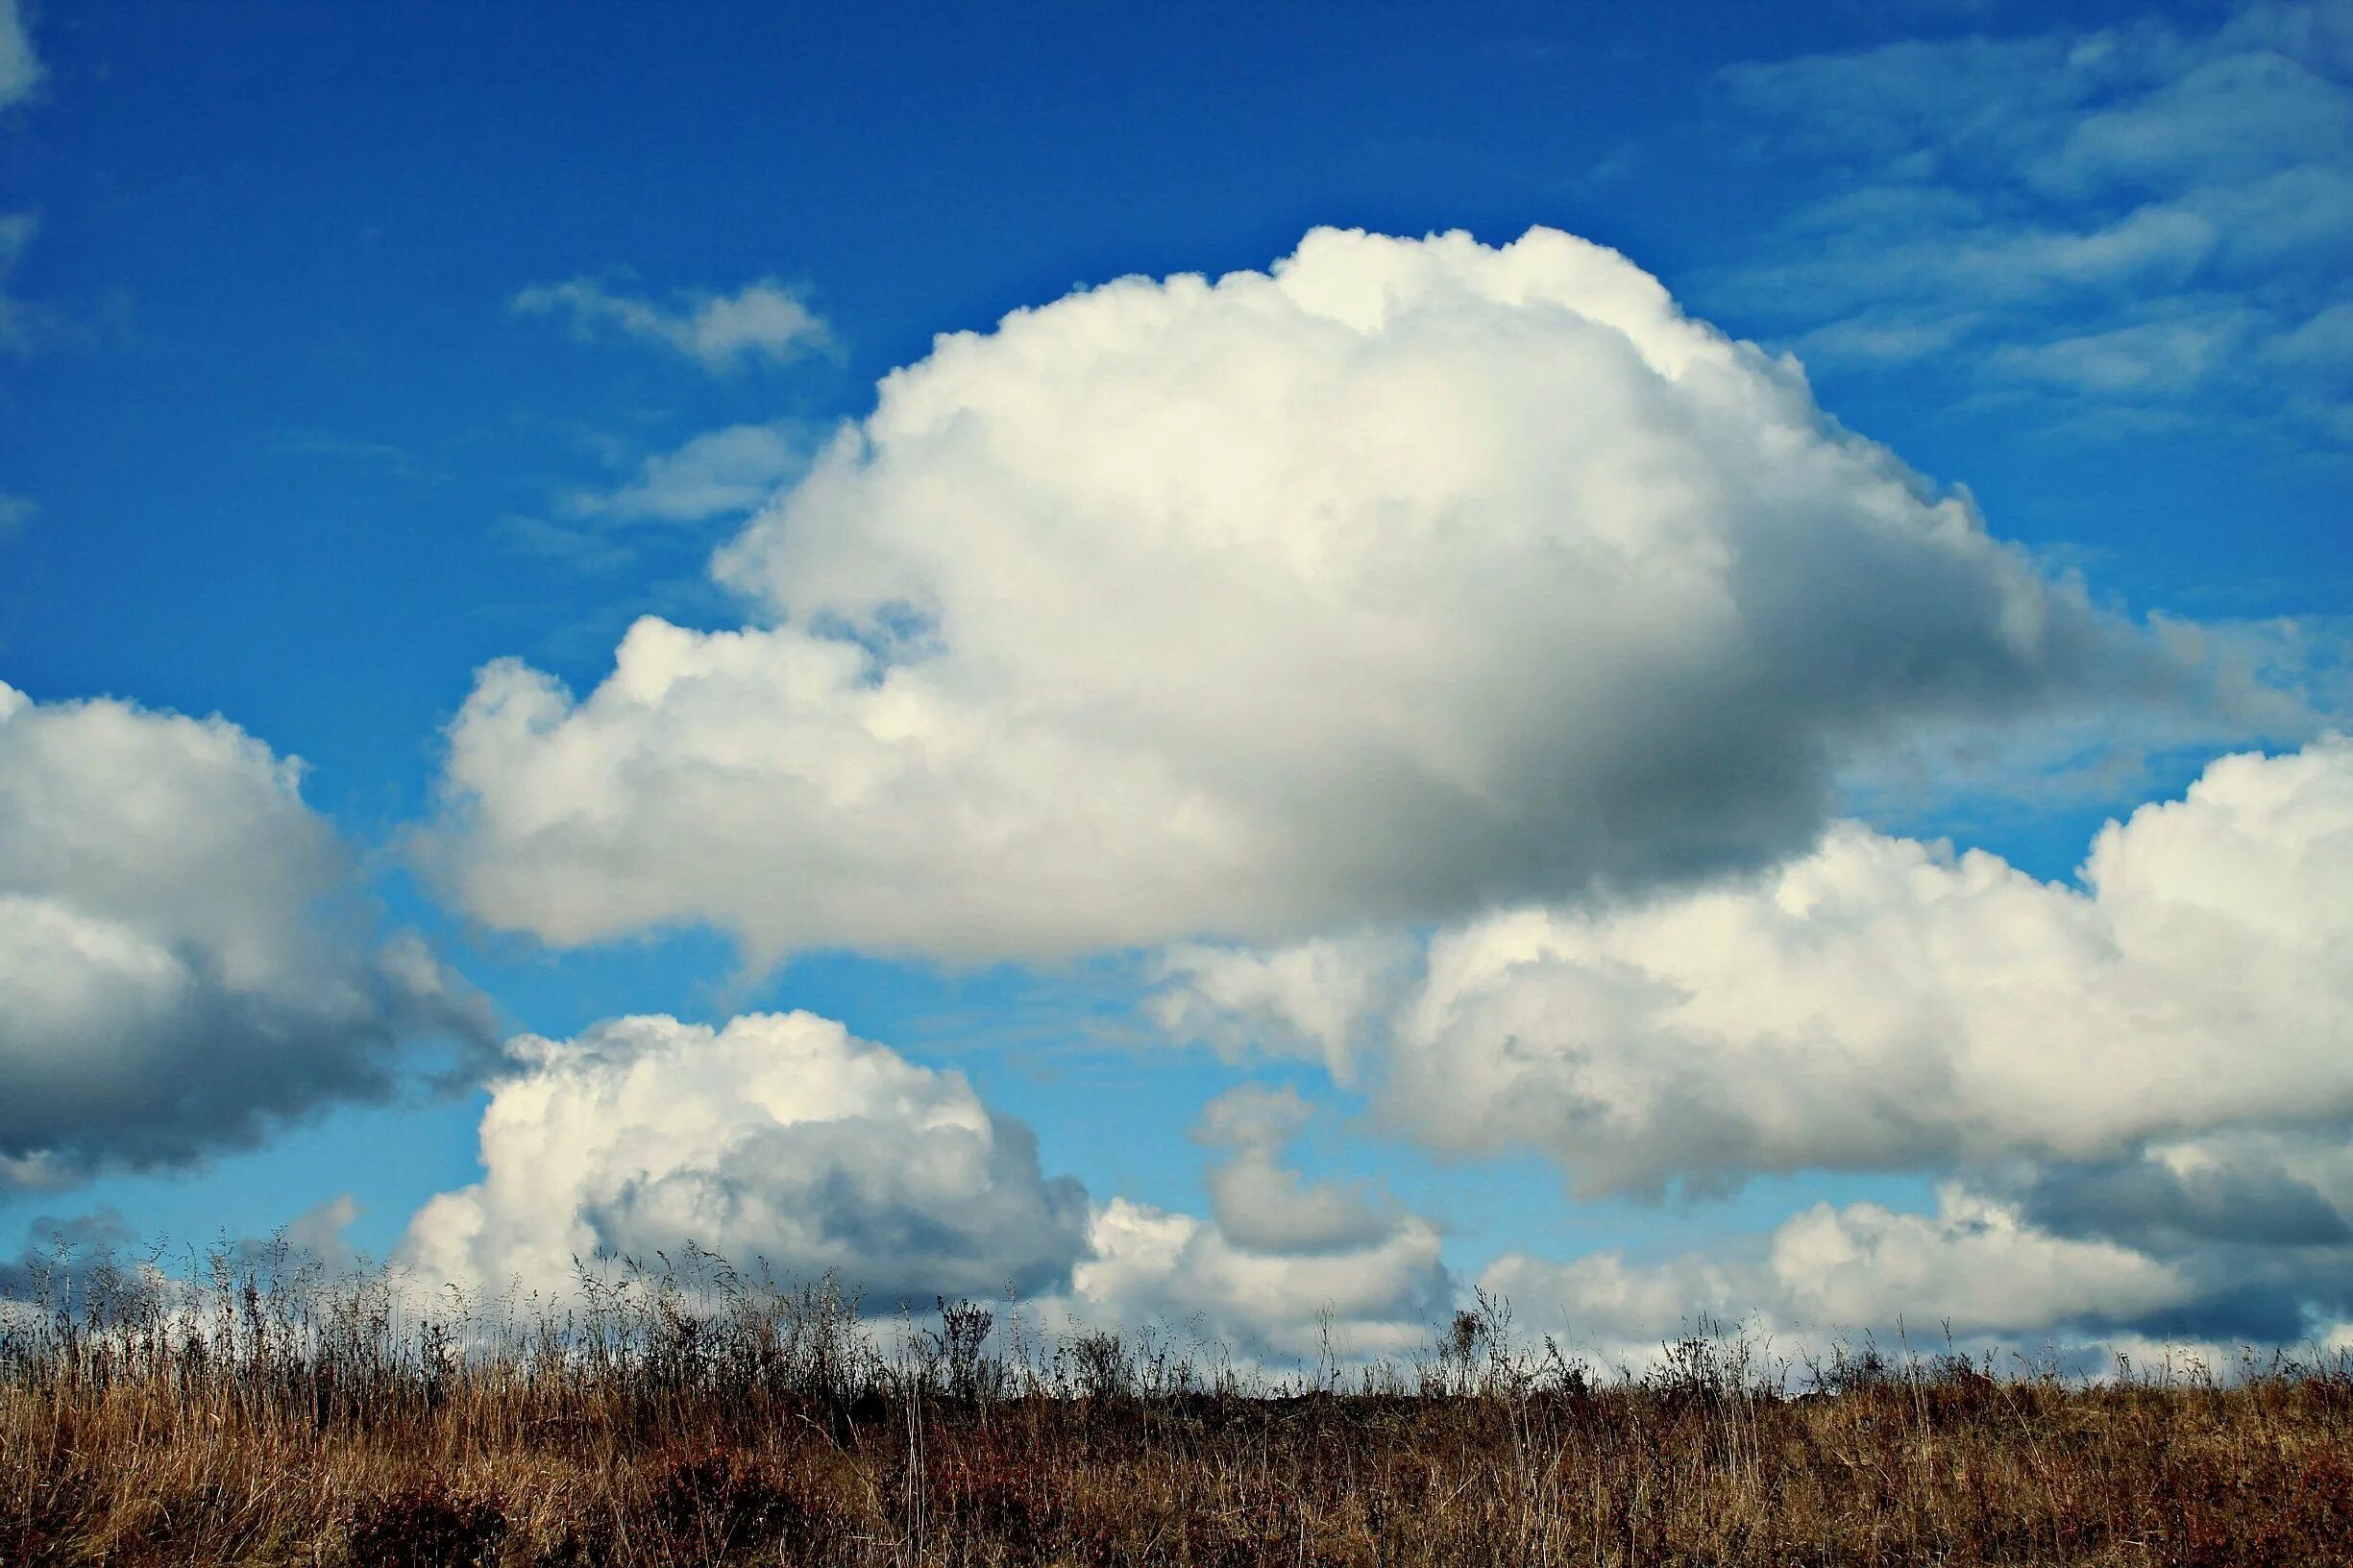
690, 1415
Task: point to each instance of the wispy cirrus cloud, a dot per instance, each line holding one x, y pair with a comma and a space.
723, 473
763, 320
2136, 217
20, 68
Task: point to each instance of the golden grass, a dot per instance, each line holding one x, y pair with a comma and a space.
692, 1418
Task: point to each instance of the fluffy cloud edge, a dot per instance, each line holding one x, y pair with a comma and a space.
186, 958
1879, 1004
1447, 577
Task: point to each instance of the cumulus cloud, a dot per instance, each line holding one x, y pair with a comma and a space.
1283, 1268
1149, 1265
1263, 1206
779, 1137
785, 1141
1885, 1004
2141, 214
1316, 997
2259, 1188
1408, 579
20, 69
182, 962
1975, 1266
2261, 1219
763, 320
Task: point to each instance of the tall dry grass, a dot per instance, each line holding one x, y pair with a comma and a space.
254, 1412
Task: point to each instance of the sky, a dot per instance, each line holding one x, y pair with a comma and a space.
1246, 670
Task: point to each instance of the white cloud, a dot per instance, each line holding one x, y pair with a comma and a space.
1283, 1269
1410, 579
2138, 214
778, 1138
718, 474
1974, 1265
762, 320
1318, 997
782, 1139
1884, 1004
1148, 1265
2261, 1219
20, 69
182, 963
1263, 1206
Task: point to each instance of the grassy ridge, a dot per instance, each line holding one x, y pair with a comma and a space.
690, 1415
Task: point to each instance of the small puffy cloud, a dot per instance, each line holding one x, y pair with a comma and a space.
184, 962
729, 472
1885, 1004
1263, 1206
1283, 1269
1975, 1266
319, 1230
778, 1138
20, 69
1409, 578
763, 320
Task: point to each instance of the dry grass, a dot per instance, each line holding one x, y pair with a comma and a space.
691, 1416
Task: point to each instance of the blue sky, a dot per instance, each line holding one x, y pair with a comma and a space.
348, 351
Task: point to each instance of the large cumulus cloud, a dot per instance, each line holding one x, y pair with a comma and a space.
183, 964
781, 1138
1406, 578
2204, 1244
1880, 1003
